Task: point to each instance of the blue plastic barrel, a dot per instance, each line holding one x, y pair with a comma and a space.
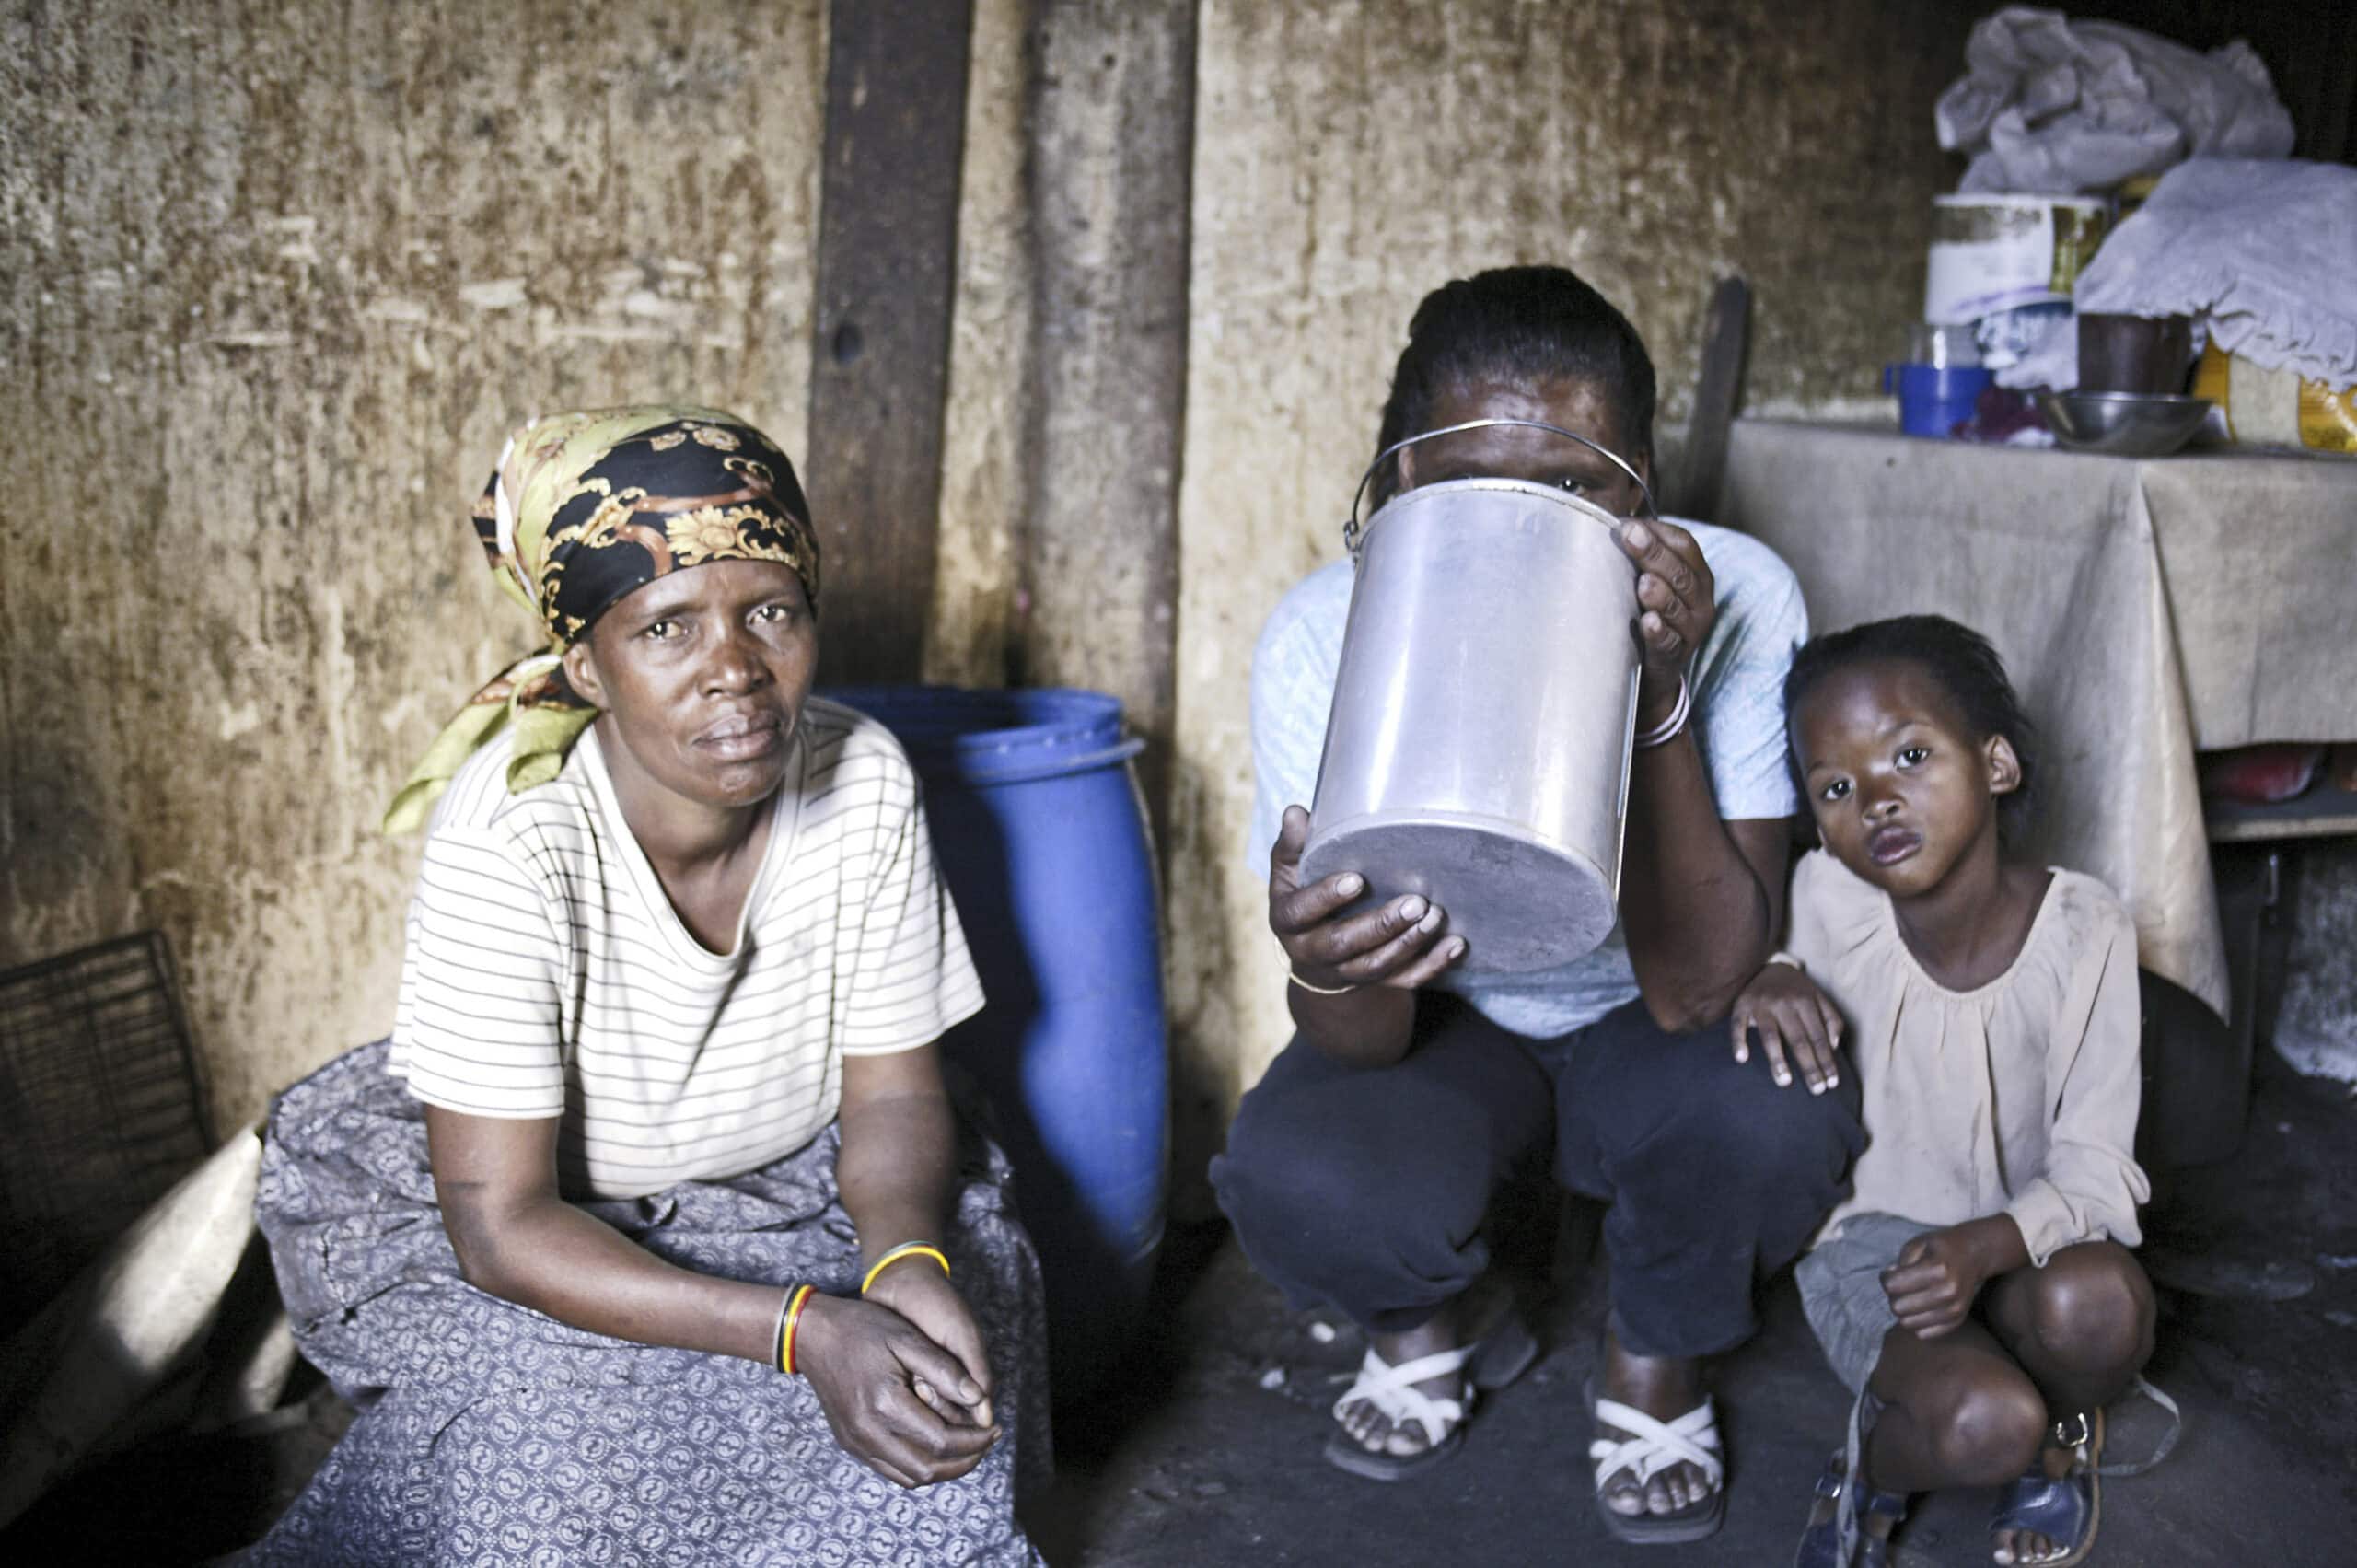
1038, 826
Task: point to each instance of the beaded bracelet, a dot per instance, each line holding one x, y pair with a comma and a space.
906, 1249
789, 1324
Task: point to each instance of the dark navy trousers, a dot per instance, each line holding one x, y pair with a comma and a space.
1368, 1188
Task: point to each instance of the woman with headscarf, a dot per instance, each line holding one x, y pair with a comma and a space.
650, 1235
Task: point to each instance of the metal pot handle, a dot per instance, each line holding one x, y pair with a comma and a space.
1353, 531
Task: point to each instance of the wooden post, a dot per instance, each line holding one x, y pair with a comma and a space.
879, 359
1111, 127
1727, 328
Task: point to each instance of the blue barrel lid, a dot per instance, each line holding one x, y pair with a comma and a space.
989, 735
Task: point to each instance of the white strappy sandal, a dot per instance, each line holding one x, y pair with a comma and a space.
1652, 1448
1392, 1391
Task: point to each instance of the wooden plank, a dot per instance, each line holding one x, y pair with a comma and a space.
2321, 812
1111, 101
1726, 328
879, 353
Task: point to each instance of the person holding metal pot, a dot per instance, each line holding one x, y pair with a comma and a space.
1361, 1171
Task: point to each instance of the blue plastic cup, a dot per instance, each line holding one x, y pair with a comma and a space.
1933, 401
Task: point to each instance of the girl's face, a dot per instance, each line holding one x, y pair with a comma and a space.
1901, 789
1520, 452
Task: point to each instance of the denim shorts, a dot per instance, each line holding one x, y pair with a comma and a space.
1841, 1283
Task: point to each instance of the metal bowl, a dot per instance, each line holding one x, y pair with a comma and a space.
2123, 424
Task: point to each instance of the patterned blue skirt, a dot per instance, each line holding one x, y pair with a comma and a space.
491, 1434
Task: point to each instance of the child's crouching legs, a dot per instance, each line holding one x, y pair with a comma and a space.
1957, 1411
2081, 1326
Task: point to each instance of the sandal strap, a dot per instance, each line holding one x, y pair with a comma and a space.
1891, 1505
2062, 1507
1853, 1544
1844, 1501
2056, 1508
2168, 1439
1391, 1390
1654, 1446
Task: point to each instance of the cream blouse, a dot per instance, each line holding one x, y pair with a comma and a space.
2019, 1096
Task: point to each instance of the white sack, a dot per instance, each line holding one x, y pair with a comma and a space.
2056, 106
126, 1326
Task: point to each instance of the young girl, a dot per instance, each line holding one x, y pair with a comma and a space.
1975, 1289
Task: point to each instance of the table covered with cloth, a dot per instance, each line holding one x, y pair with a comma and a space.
490, 1433
2145, 608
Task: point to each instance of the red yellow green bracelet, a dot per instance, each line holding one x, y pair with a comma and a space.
789, 1323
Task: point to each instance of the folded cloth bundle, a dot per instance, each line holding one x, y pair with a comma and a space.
2265, 250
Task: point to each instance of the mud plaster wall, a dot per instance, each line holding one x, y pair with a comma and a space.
276, 278
1351, 157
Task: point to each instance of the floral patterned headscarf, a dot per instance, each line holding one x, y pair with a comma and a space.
583, 510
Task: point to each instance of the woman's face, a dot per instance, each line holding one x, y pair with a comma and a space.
1900, 789
701, 674
1520, 452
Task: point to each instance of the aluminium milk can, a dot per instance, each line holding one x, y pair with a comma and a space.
1478, 749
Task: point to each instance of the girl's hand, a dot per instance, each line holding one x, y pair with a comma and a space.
1932, 1284
1398, 945
919, 1292
866, 1363
1795, 1019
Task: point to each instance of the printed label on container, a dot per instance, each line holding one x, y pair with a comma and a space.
1993, 253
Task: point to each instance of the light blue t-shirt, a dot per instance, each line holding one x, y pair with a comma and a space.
1738, 721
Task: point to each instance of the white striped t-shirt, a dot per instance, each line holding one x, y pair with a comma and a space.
546, 973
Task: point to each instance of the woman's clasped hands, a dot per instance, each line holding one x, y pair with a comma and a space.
901, 1375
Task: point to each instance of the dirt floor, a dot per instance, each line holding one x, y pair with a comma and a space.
2256, 1264
1209, 1453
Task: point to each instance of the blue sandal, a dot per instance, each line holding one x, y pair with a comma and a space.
2067, 1510
2070, 1509
1837, 1535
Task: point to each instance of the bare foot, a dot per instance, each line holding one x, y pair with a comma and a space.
1376, 1432
1664, 1388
